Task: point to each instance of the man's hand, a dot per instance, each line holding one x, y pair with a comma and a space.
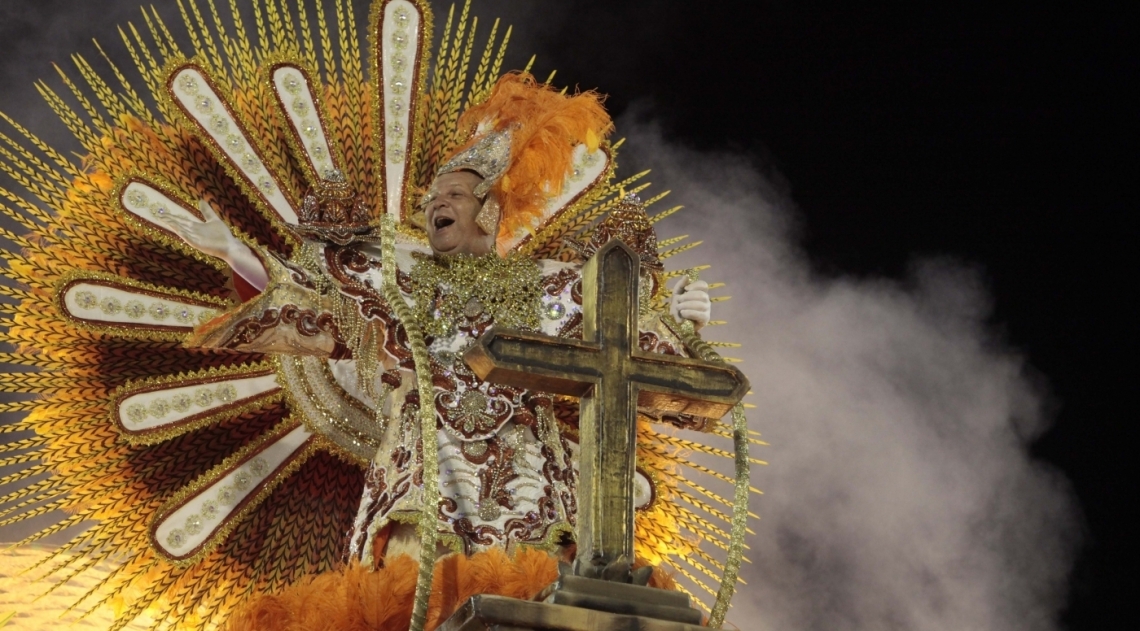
213, 237
691, 302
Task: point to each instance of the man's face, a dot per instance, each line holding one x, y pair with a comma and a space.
450, 216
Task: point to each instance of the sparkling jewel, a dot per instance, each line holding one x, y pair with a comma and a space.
188, 83
399, 86
473, 402
399, 63
489, 511
110, 306
203, 104
266, 185
319, 152
555, 311
159, 210
134, 309
184, 315
396, 131
292, 84
249, 162
227, 495
226, 393
402, 17
138, 198
181, 402
136, 413
259, 466
234, 142
86, 300
209, 509
176, 538
219, 124
473, 308
396, 106
203, 397
309, 129
159, 408
193, 524
396, 154
159, 311
399, 40
300, 106
242, 480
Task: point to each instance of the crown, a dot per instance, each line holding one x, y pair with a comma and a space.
332, 211
629, 223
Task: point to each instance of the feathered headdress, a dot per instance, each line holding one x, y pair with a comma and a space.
524, 140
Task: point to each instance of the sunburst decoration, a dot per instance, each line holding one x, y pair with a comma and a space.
198, 482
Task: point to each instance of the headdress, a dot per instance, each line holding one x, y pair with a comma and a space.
524, 140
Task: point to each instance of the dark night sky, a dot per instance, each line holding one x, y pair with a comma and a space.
1000, 134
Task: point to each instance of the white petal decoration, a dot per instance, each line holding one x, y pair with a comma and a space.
185, 529
199, 100
295, 96
118, 304
589, 168
164, 406
400, 39
147, 203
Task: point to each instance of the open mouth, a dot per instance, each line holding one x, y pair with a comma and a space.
443, 222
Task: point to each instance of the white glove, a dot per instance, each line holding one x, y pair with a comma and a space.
213, 237
691, 302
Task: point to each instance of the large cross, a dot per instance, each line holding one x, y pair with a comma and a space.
612, 376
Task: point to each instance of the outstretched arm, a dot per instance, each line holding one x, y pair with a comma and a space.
214, 237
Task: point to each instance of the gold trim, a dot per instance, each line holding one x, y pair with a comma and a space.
156, 332
317, 427
194, 421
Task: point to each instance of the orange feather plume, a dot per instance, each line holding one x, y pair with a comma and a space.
545, 126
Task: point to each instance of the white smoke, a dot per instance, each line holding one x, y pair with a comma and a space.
900, 493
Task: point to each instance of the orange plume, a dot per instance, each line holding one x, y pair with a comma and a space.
545, 126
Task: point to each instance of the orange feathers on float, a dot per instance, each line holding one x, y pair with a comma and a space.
355, 598
545, 127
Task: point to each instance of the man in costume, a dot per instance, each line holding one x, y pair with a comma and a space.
506, 469
222, 441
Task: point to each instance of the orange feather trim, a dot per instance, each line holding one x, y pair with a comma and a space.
355, 598
546, 126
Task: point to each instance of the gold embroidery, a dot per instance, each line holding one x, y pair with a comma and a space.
507, 289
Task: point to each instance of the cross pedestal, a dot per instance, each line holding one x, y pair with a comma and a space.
611, 376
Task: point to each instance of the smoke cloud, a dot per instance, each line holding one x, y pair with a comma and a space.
900, 493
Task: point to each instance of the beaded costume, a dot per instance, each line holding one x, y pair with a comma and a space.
227, 442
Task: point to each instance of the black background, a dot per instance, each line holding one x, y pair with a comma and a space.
999, 134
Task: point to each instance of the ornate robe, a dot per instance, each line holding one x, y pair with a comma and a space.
506, 455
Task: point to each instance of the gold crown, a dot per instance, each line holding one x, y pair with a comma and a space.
332, 211
629, 223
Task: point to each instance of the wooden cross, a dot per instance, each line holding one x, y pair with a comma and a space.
612, 376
